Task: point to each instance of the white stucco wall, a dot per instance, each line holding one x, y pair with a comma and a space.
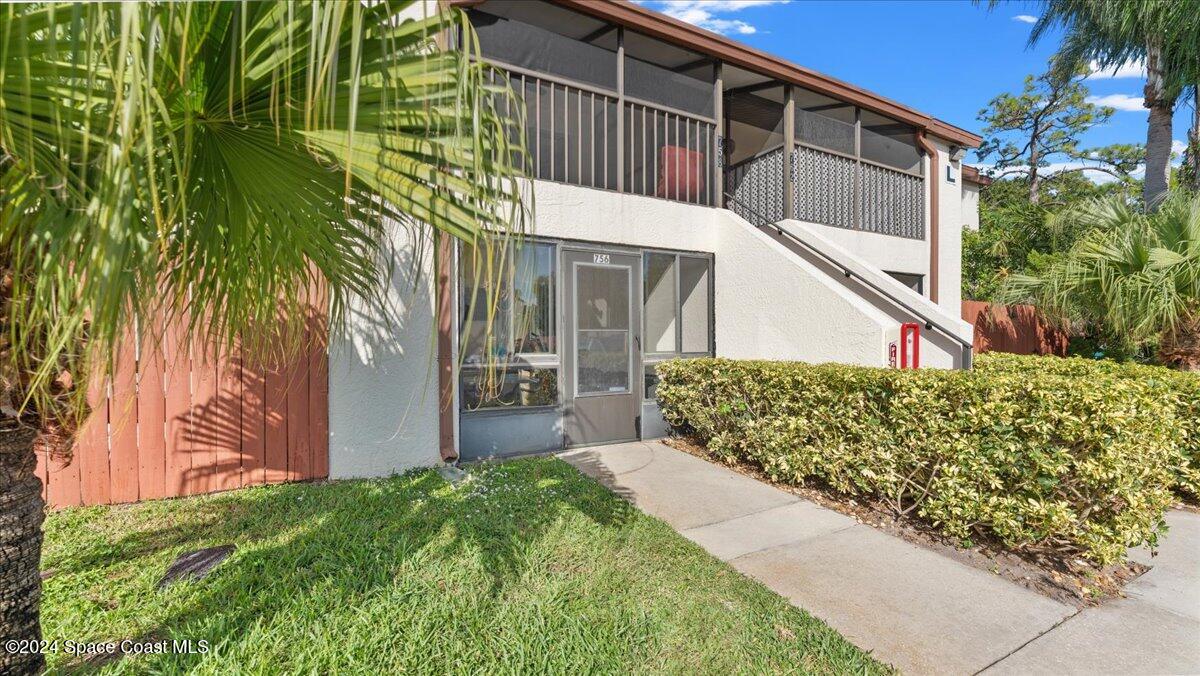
383, 413
770, 303
949, 233
911, 256
892, 254
571, 212
970, 205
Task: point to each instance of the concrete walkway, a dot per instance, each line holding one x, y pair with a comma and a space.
911, 607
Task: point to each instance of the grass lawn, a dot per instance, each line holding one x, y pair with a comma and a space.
526, 567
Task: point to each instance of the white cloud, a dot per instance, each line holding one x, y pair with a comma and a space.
1129, 69
1119, 101
707, 13
1177, 147
1097, 177
1025, 18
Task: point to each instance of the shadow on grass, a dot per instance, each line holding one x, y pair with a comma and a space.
345, 542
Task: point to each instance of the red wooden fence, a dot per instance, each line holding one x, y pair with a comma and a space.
1015, 328
176, 421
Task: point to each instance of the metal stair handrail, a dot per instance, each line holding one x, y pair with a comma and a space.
930, 323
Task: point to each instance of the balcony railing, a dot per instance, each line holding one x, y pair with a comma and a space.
832, 189
669, 154
573, 135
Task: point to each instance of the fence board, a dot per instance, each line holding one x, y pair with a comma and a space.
92, 447
152, 418
1017, 329
177, 419
178, 402
254, 422
202, 448
225, 422
64, 489
275, 435
299, 452
123, 422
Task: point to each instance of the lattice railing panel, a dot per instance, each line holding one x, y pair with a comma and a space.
893, 203
757, 184
824, 188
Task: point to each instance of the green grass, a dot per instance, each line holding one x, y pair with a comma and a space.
526, 567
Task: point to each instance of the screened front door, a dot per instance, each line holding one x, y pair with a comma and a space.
602, 346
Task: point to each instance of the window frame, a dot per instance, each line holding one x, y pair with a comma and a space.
629, 337
531, 360
657, 357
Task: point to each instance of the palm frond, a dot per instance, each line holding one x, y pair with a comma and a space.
1136, 275
210, 162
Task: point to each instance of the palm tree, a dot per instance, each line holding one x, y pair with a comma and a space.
1162, 33
207, 164
1136, 275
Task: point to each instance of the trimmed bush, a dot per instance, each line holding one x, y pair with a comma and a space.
1037, 460
1182, 389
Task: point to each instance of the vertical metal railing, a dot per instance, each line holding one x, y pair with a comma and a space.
669, 154
570, 131
572, 134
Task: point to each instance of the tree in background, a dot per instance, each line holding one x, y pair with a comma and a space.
207, 164
1012, 231
1135, 274
1165, 35
1024, 132
1190, 174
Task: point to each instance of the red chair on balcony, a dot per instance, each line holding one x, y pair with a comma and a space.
680, 174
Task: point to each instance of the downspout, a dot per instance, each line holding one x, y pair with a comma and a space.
934, 181
444, 309
444, 306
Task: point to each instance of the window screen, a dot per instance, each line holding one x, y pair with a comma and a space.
824, 122
602, 329
662, 73
693, 304
542, 51
677, 310
518, 386
521, 311
659, 278
890, 143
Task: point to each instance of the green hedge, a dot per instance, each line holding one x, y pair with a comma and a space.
1035, 459
1180, 388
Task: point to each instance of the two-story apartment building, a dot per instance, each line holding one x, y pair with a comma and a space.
694, 196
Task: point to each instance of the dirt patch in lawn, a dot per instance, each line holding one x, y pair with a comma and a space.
1069, 580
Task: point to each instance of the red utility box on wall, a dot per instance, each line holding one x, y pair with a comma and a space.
909, 350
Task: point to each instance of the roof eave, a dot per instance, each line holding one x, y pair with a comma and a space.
669, 29
698, 39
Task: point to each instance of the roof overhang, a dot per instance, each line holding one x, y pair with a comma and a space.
677, 32
971, 175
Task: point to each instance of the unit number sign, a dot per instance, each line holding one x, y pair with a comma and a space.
602, 259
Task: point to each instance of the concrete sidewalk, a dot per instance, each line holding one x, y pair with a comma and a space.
913, 608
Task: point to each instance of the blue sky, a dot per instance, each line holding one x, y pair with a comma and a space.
945, 58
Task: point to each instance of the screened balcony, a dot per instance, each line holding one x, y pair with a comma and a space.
605, 107
847, 167
609, 108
